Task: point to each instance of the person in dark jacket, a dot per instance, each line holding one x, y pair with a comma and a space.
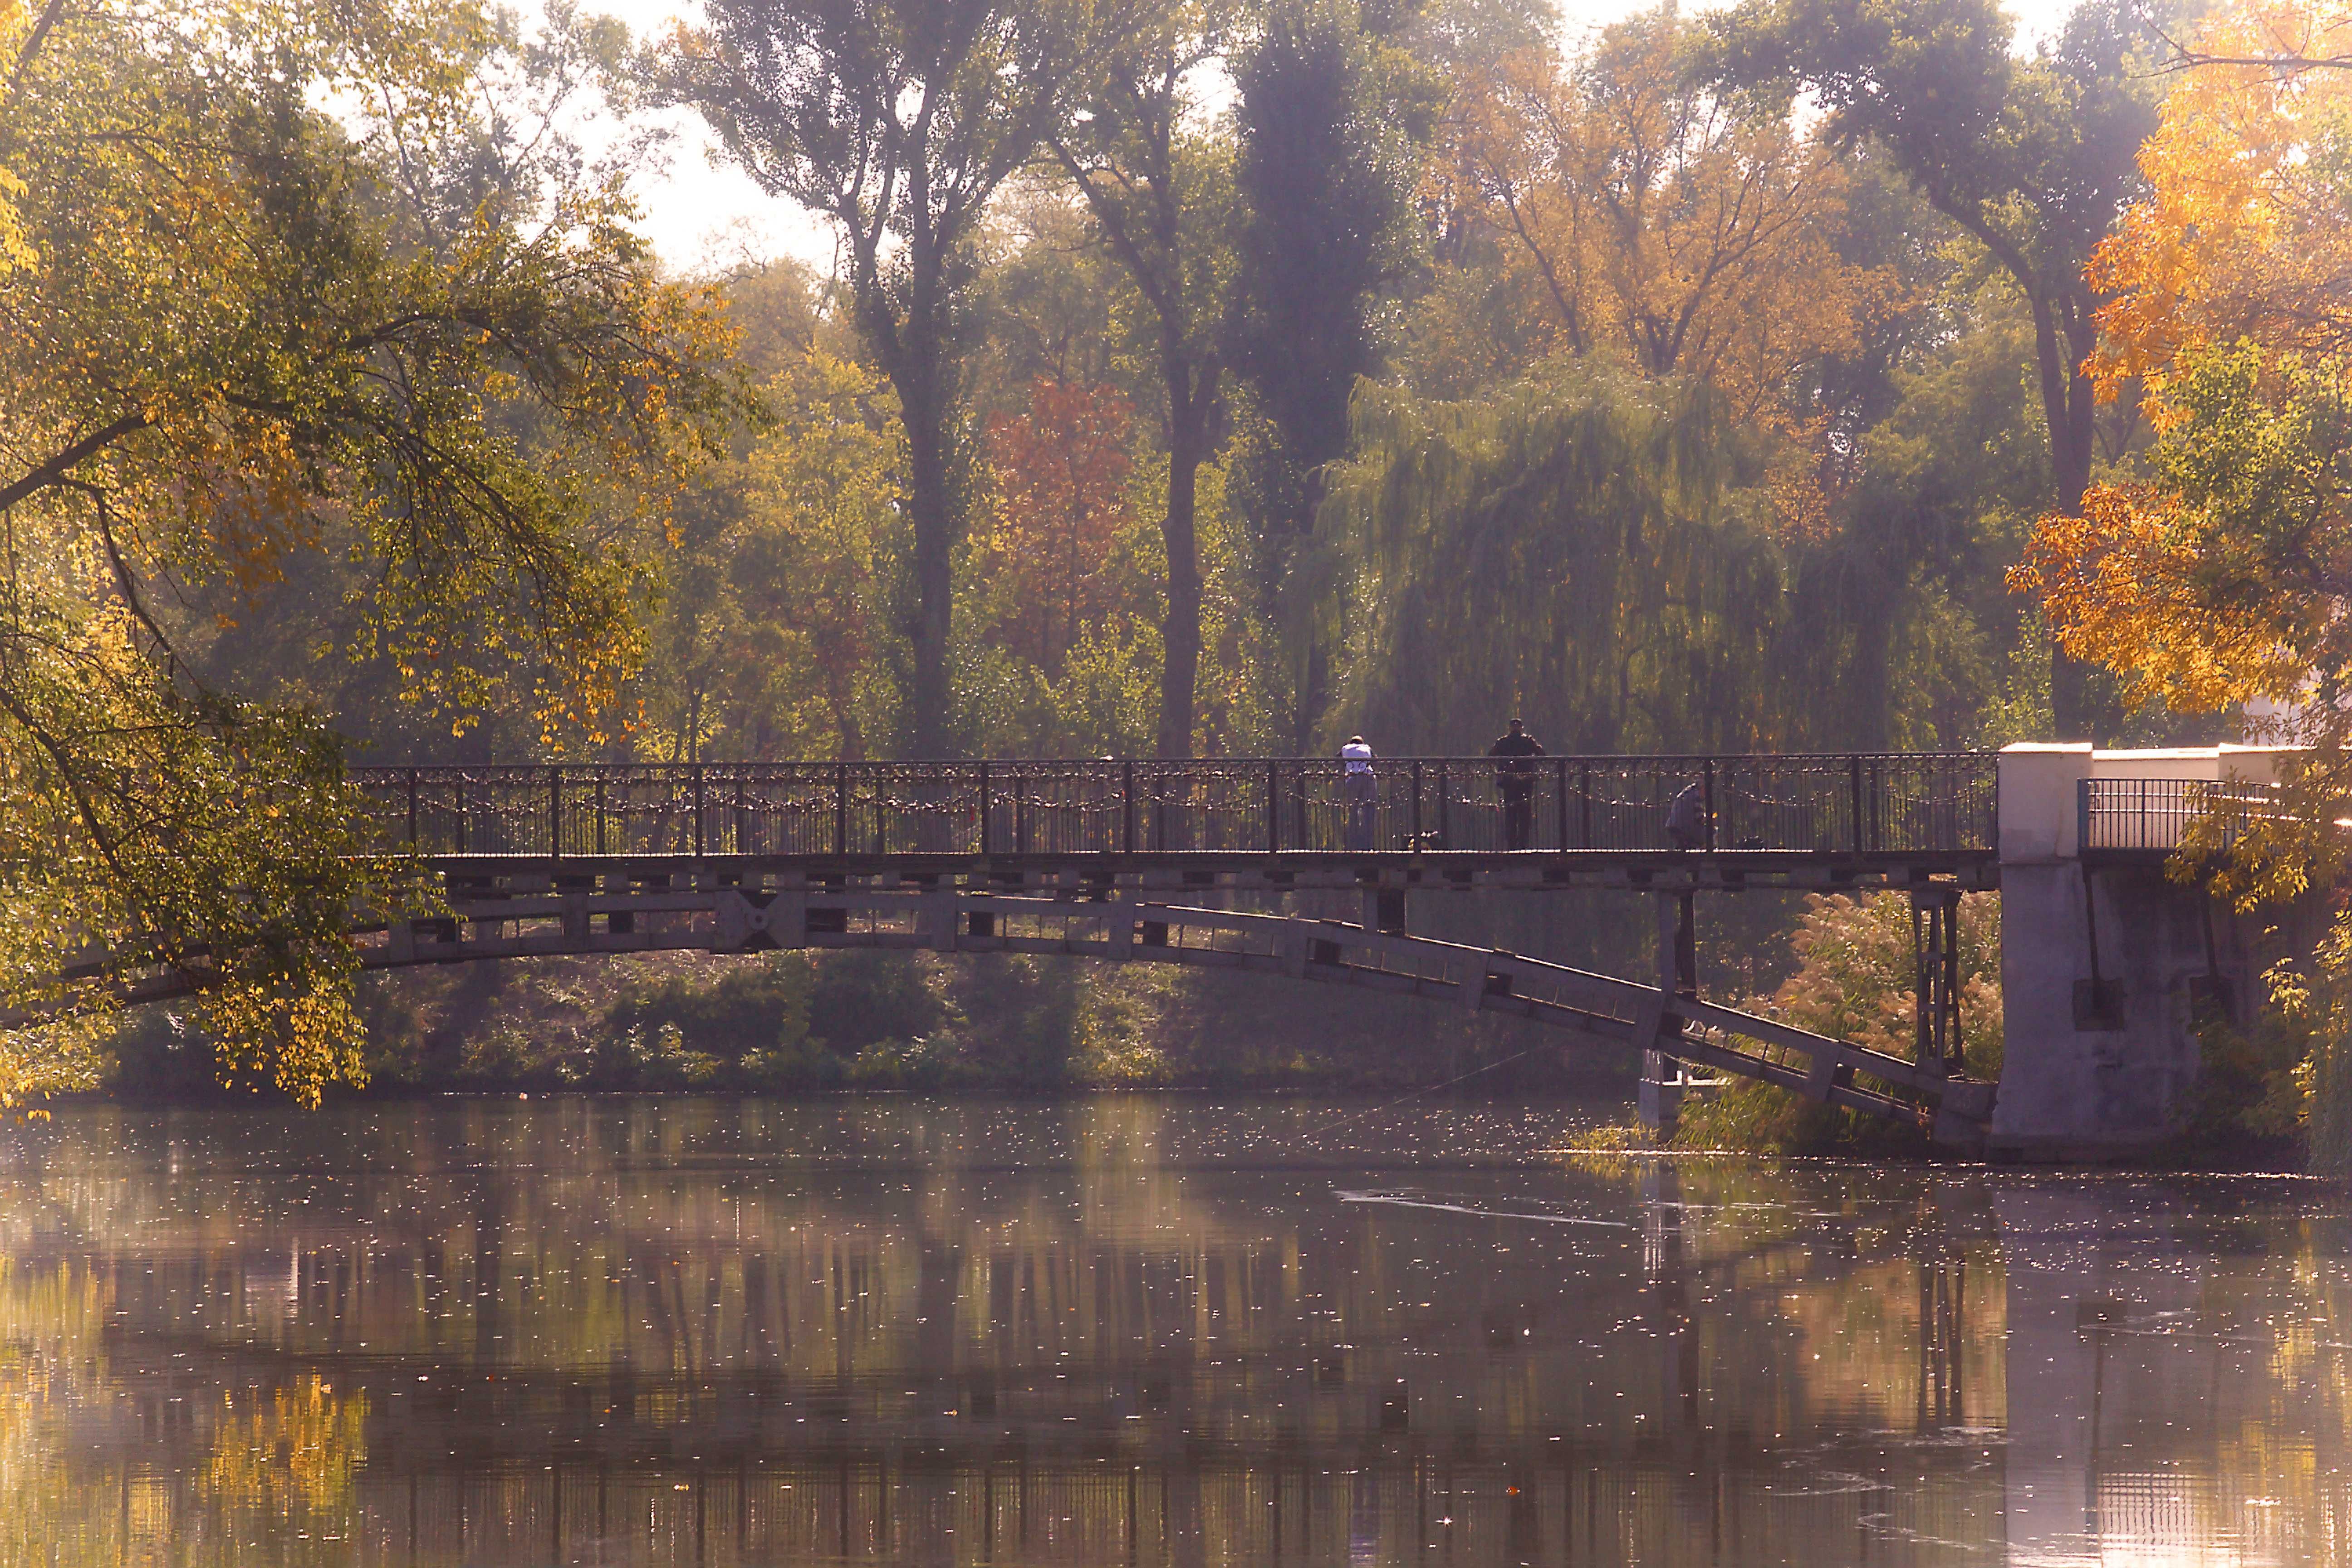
1686, 818
1514, 780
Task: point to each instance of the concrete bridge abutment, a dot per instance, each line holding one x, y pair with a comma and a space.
2109, 964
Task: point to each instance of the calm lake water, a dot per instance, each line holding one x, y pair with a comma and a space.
1135, 1330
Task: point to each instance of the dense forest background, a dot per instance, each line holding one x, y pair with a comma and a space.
1397, 370
1209, 377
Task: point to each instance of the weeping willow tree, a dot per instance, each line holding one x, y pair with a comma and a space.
1602, 555
1593, 552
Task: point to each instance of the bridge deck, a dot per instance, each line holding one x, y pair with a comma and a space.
1827, 821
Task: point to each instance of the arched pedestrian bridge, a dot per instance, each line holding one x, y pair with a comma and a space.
2111, 965
1137, 861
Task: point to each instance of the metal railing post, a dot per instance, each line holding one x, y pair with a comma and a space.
1584, 804
1126, 807
554, 811
1853, 772
1020, 814
1416, 806
412, 808
600, 811
1708, 796
841, 808
697, 811
1444, 810
1273, 808
983, 808
1992, 839
461, 813
1561, 803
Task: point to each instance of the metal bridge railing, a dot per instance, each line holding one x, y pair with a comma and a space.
1898, 803
2152, 813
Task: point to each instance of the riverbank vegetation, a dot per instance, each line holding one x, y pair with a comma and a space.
1209, 377
406, 363
1856, 979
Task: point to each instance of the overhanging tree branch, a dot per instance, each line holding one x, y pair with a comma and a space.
53, 472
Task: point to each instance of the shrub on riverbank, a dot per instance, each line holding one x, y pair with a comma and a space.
1857, 979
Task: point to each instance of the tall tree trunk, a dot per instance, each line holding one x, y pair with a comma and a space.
917, 352
930, 506
2067, 405
1314, 693
2064, 334
1180, 633
932, 510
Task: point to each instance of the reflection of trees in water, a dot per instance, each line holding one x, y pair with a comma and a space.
181, 1454
287, 1456
980, 1340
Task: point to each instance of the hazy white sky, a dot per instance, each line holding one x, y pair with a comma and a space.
700, 215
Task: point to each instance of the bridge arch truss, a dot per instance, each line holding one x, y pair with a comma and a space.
533, 917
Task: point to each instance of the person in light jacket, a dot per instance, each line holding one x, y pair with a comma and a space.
1362, 788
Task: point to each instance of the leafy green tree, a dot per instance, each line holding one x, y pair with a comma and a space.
236, 329
1329, 118
1161, 195
1582, 548
2034, 158
774, 638
898, 120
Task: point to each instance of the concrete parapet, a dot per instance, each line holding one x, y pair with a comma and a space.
2038, 792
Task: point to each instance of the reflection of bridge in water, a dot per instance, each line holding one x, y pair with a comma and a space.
710, 1332
1120, 860
1139, 1329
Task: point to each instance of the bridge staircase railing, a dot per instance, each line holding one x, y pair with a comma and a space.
1851, 804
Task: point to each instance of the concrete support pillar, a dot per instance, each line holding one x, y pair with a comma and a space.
2104, 960
1660, 1096
942, 918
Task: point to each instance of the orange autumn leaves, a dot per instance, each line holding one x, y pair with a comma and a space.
2121, 586
1062, 471
2232, 310
1675, 229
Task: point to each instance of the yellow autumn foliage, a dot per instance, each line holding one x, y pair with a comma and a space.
2243, 234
